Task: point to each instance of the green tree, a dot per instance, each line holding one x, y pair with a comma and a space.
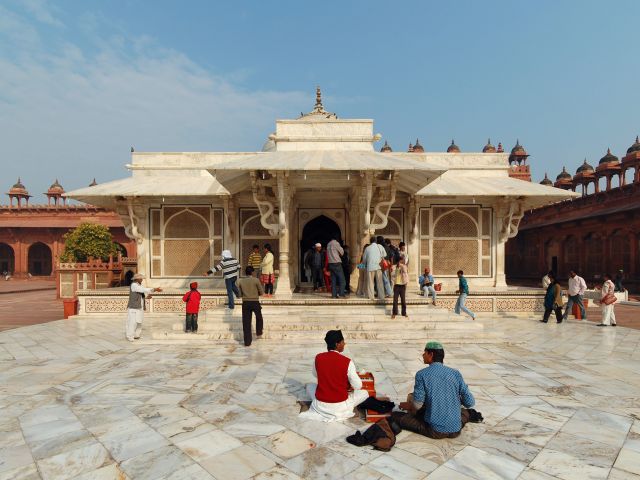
88, 240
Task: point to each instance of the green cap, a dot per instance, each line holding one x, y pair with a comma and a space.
434, 345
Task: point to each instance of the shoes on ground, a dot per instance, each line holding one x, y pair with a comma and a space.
136, 338
602, 325
614, 324
543, 321
392, 317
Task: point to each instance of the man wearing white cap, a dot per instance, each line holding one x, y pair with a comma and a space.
316, 262
135, 307
230, 267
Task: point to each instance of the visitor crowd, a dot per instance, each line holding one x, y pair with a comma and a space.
553, 300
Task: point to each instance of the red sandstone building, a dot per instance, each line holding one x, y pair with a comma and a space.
31, 235
596, 234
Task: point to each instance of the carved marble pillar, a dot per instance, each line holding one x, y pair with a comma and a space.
413, 240
231, 242
283, 287
508, 215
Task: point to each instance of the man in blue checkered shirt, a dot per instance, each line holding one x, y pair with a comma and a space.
435, 407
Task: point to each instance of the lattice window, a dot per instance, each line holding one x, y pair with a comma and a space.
253, 233
187, 240
453, 255
456, 238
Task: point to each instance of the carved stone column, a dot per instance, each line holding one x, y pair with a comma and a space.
508, 215
283, 288
413, 240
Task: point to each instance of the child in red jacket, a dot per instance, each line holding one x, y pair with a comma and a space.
192, 297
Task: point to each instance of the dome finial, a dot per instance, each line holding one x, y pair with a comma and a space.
318, 97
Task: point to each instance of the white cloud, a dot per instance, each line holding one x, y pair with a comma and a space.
72, 112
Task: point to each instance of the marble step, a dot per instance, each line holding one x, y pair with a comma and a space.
304, 337
388, 325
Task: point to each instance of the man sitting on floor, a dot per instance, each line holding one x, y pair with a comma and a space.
434, 410
339, 388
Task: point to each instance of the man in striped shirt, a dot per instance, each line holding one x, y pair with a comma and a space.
229, 267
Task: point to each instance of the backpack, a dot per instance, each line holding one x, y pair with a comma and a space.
380, 435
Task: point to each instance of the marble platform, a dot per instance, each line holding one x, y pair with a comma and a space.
77, 401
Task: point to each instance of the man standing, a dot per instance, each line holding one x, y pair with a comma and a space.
135, 307
230, 267
339, 388
577, 287
546, 280
371, 258
439, 393
346, 269
250, 290
316, 262
334, 260
463, 291
427, 284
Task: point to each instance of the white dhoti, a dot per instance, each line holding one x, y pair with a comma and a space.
133, 323
608, 315
329, 412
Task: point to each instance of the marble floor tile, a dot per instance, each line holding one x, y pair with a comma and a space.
58, 444
286, 444
514, 448
483, 465
239, 464
531, 474
365, 472
208, 445
28, 472
15, 457
568, 467
278, 472
157, 464
131, 444
394, 468
446, 473
599, 426
622, 475
628, 461
538, 416
524, 431
73, 463
584, 448
321, 462
108, 472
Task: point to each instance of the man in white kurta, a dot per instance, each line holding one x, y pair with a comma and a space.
332, 398
135, 307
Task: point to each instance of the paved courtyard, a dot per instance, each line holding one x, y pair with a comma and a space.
78, 401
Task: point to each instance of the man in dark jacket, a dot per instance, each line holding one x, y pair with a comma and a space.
316, 263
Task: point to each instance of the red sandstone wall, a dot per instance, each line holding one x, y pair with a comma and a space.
21, 228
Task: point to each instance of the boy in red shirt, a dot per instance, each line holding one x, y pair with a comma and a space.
192, 298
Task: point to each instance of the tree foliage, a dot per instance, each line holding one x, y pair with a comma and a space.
88, 240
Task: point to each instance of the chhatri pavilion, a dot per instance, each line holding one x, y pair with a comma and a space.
317, 176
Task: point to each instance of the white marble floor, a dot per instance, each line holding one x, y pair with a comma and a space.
78, 401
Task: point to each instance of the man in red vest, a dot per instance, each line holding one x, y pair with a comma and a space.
339, 388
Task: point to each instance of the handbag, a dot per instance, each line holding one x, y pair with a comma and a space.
384, 264
609, 299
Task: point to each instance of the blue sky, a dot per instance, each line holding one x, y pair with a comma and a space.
82, 81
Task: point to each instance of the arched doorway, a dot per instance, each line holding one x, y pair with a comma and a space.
7, 258
39, 259
121, 249
320, 229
